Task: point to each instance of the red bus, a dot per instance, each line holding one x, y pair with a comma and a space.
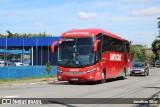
91, 55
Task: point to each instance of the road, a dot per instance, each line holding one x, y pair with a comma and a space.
131, 87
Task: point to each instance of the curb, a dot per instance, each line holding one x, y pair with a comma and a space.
29, 82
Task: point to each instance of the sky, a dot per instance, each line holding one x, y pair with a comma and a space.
134, 20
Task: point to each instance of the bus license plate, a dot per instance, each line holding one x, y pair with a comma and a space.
74, 79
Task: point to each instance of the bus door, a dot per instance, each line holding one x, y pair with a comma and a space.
99, 52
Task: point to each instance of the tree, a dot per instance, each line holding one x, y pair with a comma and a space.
9, 35
156, 46
48, 69
151, 57
17, 35
139, 54
134, 52
2, 36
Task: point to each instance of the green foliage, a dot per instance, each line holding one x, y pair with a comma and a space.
156, 46
48, 68
142, 55
16, 35
151, 57
139, 54
134, 52
9, 34
1, 56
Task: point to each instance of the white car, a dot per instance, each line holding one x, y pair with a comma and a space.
1, 61
15, 62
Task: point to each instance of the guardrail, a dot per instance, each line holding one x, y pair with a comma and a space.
24, 72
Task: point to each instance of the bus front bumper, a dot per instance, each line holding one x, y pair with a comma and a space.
82, 77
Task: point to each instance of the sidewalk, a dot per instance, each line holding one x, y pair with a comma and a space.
25, 82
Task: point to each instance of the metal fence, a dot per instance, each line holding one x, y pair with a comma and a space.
15, 72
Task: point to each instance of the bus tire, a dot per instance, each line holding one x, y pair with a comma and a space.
103, 80
70, 82
124, 74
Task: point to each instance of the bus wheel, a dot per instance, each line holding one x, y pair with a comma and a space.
124, 74
70, 82
103, 80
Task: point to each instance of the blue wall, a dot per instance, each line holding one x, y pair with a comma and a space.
24, 72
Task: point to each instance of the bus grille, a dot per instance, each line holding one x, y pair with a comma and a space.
74, 73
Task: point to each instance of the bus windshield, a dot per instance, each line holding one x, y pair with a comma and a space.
76, 52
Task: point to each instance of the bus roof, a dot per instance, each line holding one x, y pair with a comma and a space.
88, 32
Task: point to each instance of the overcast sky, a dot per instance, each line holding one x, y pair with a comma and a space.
135, 20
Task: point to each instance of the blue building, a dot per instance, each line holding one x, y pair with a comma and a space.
37, 47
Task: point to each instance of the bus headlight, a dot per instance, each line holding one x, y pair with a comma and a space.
59, 70
59, 77
98, 68
91, 70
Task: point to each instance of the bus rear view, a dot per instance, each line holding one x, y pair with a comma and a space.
80, 56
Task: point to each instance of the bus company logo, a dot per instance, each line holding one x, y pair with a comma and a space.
115, 57
74, 71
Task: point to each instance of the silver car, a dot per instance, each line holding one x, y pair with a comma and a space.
139, 68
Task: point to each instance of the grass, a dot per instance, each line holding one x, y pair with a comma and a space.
26, 79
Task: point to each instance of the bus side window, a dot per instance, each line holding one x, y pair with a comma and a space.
128, 47
106, 44
125, 48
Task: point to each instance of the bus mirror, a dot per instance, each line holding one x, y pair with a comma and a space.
53, 45
95, 48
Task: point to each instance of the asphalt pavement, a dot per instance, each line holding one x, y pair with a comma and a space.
110, 94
